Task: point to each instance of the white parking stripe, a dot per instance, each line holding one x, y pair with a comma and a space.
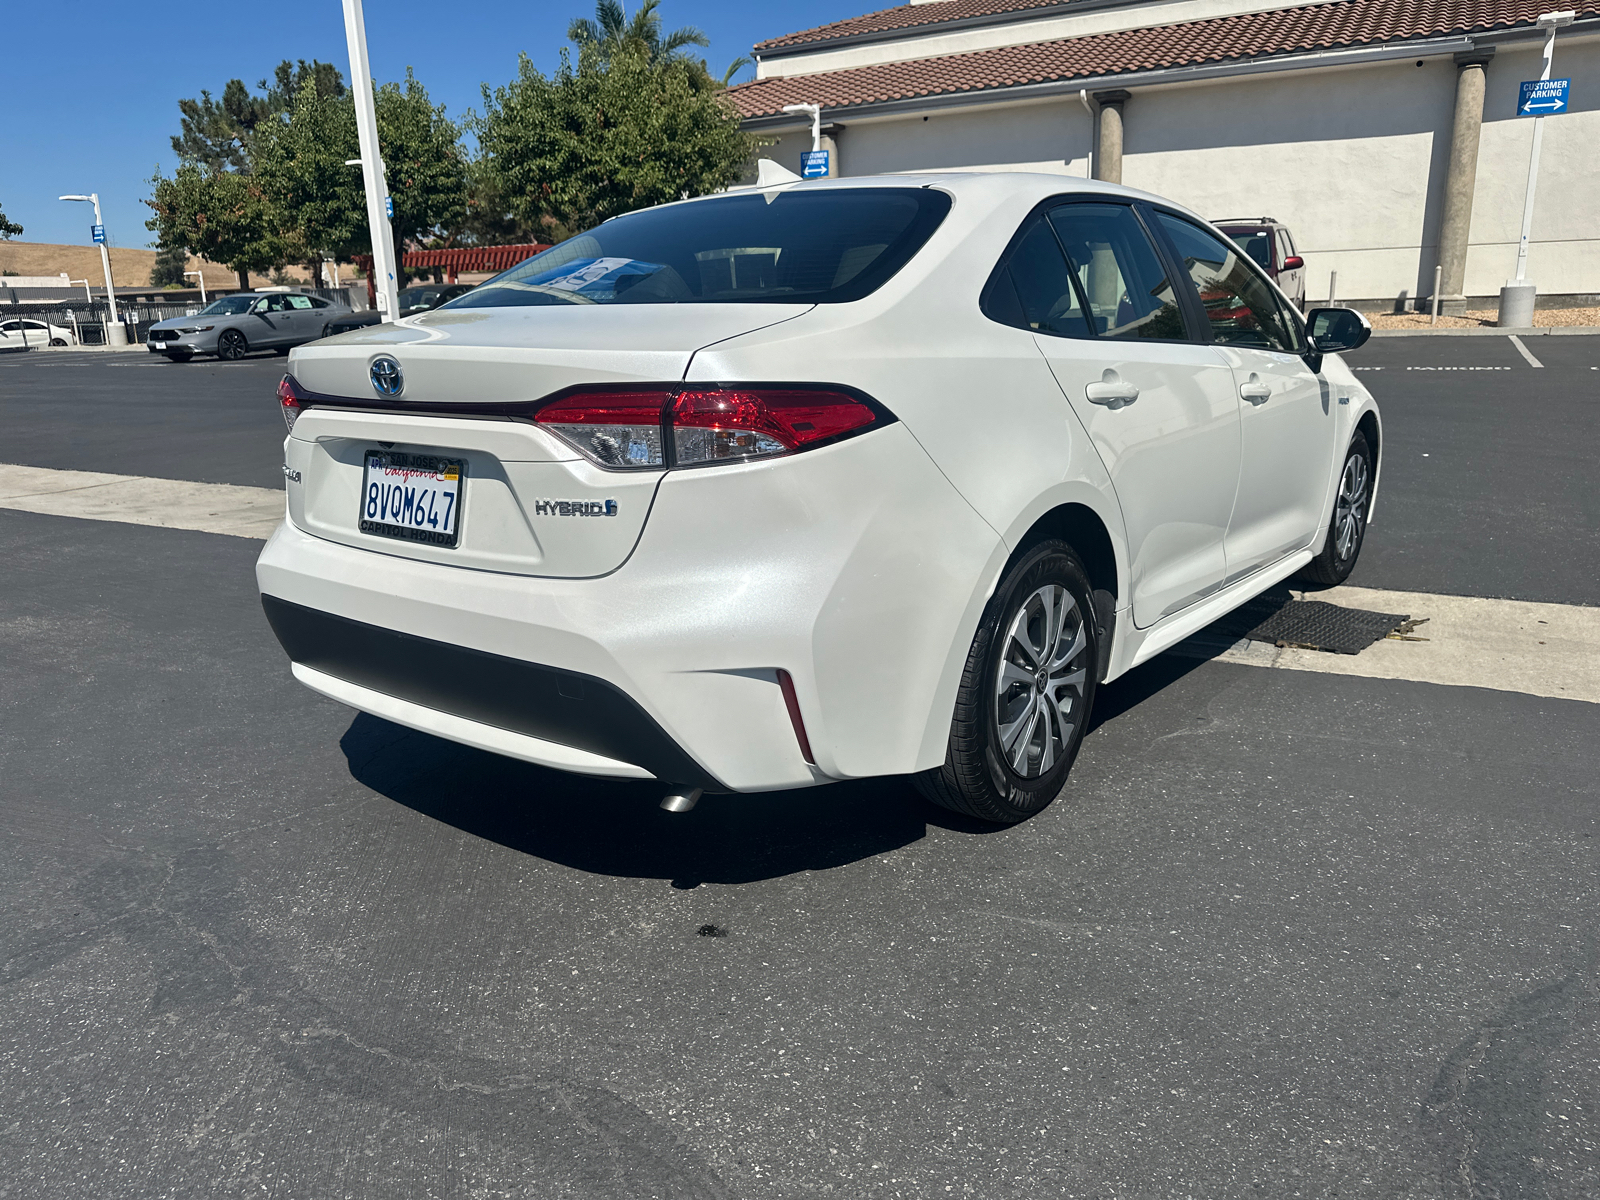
1523, 350
135, 500
1507, 645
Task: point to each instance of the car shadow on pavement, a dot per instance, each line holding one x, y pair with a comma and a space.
616, 828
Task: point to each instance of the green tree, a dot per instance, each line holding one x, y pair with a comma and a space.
220, 215
8, 228
612, 29
312, 199
217, 133
613, 133
168, 268
424, 161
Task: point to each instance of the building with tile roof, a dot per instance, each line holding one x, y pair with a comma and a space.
1383, 132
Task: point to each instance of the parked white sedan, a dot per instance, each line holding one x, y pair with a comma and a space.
813, 482
28, 332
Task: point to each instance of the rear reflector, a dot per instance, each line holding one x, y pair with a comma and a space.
792, 702
670, 428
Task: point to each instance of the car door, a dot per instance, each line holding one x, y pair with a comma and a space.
305, 323
1286, 418
269, 321
1157, 404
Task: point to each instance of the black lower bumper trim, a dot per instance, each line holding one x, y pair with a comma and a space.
565, 707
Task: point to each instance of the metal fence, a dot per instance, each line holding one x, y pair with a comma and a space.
82, 322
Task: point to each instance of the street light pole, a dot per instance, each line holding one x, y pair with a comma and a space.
816, 120
384, 267
116, 332
1517, 297
201, 276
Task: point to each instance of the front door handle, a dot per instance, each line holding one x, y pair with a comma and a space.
1112, 390
1254, 390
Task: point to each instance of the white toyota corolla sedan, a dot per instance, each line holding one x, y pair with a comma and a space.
816, 481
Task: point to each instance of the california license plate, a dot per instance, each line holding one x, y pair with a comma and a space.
413, 497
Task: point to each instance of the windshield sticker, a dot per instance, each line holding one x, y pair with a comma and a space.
584, 272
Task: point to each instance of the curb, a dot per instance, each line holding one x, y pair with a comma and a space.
1528, 331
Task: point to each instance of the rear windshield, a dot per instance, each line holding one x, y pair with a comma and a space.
1257, 243
796, 246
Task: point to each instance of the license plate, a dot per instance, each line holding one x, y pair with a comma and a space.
413, 497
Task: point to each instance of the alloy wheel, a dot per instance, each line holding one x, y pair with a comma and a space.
1040, 681
1350, 510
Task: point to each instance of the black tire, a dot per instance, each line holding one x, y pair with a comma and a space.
58, 341
282, 351
1347, 528
231, 345
980, 777
326, 331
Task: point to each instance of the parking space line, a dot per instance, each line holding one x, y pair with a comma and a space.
1523, 350
228, 509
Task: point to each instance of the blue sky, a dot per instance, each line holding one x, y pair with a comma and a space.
91, 91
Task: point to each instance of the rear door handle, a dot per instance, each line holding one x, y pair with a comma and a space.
1111, 390
1254, 390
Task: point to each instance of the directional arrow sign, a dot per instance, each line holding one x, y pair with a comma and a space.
1541, 97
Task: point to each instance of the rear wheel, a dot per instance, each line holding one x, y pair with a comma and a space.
327, 331
231, 346
1348, 528
1025, 693
58, 341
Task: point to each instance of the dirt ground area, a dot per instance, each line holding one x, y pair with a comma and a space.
1542, 319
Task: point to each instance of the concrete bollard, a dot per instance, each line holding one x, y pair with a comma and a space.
1516, 305
116, 333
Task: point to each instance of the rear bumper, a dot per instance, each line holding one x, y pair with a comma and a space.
563, 709
856, 568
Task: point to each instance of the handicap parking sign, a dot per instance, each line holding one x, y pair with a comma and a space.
1541, 97
813, 164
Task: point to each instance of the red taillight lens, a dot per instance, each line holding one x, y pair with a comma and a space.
616, 429
667, 427
291, 400
709, 426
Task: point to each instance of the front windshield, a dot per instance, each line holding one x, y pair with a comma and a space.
228, 306
794, 247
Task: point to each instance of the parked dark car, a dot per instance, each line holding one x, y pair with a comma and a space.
419, 298
1267, 241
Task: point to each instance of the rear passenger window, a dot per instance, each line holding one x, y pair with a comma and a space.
1119, 272
1033, 290
299, 302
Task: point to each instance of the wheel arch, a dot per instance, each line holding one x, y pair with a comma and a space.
1099, 544
1371, 426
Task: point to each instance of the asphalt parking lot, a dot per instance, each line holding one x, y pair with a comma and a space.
1288, 934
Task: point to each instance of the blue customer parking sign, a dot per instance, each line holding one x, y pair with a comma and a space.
1541, 97
98, 233
813, 164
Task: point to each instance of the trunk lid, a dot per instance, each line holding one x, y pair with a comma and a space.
528, 503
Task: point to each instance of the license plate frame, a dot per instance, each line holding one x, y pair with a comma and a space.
439, 478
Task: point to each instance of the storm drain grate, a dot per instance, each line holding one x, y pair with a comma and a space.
1312, 624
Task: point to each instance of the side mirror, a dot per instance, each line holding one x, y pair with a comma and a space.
1293, 263
1334, 331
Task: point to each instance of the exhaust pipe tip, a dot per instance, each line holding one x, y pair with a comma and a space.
681, 799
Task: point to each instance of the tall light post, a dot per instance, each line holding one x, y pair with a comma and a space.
201, 276
1517, 297
384, 267
116, 331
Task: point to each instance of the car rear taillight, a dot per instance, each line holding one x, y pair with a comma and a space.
616, 429
290, 398
693, 427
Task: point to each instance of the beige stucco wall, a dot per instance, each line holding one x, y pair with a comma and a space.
1353, 159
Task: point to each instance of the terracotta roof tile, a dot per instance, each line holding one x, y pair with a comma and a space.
1342, 23
907, 16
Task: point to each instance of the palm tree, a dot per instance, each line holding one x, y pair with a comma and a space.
612, 29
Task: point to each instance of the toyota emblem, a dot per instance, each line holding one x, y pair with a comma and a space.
386, 377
